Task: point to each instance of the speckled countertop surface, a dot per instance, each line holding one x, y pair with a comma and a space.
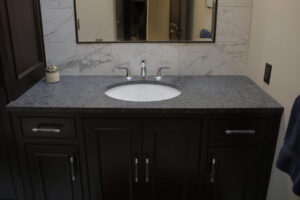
199, 93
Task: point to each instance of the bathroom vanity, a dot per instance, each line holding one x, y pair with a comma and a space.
216, 140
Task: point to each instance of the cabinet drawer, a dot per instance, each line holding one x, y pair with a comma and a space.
237, 128
48, 127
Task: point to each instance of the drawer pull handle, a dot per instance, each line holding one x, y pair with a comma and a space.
213, 170
147, 162
246, 132
46, 130
136, 172
72, 168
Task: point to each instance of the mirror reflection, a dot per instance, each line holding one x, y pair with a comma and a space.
145, 20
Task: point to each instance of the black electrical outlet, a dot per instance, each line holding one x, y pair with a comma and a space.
268, 71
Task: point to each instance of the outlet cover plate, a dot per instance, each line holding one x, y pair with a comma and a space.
267, 76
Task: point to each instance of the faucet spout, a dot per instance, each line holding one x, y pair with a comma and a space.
143, 70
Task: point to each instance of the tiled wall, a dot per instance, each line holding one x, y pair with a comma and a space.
227, 56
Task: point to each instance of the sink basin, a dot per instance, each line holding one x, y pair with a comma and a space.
142, 92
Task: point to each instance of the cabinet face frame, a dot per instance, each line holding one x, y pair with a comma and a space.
108, 140
172, 144
23, 52
144, 134
6, 182
22, 59
268, 146
232, 167
22, 142
46, 162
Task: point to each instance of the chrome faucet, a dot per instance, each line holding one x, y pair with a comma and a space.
158, 75
143, 70
128, 74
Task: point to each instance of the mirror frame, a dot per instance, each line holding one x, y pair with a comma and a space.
214, 31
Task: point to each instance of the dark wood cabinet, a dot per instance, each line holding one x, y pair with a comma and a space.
170, 158
7, 190
233, 173
54, 172
158, 161
182, 157
21, 65
114, 147
49, 127
22, 56
6, 183
179, 154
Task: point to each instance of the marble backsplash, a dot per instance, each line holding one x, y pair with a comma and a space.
227, 56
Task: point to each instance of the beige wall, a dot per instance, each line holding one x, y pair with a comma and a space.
275, 38
97, 20
158, 19
202, 18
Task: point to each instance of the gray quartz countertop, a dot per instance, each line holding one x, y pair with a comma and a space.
199, 93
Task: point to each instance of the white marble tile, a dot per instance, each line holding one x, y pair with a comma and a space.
59, 25
227, 56
237, 54
233, 24
163, 55
62, 55
199, 59
234, 66
223, 58
81, 59
233, 48
95, 59
128, 55
57, 54
57, 4
233, 3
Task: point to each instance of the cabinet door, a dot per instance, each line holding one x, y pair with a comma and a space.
233, 173
171, 159
11, 186
6, 183
22, 56
54, 172
113, 151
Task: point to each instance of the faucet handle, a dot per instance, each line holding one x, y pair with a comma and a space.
158, 73
128, 74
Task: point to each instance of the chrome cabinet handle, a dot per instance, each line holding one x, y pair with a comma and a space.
136, 170
213, 170
147, 162
246, 132
44, 130
72, 168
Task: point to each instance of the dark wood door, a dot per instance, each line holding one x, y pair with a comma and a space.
21, 65
233, 173
21, 45
54, 172
10, 179
114, 154
6, 182
170, 159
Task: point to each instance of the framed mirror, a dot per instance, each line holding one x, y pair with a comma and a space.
100, 21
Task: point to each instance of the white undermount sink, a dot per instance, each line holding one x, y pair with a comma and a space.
142, 92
